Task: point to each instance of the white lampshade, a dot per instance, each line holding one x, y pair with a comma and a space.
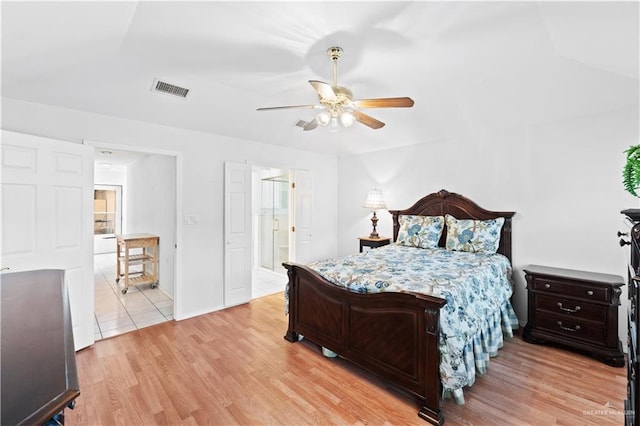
334, 126
324, 117
347, 118
374, 200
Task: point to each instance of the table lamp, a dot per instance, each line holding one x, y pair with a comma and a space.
374, 202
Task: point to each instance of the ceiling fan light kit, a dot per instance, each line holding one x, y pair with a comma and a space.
338, 108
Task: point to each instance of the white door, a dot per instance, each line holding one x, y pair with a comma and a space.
237, 233
47, 206
302, 210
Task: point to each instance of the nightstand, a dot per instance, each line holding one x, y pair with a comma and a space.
575, 308
373, 242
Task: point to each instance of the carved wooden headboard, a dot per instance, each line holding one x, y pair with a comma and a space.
444, 202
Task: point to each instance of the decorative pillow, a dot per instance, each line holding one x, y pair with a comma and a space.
477, 236
420, 231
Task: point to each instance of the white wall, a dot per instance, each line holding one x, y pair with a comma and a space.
200, 279
114, 176
151, 201
563, 180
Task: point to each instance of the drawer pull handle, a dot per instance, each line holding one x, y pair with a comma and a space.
547, 285
590, 292
573, 330
562, 308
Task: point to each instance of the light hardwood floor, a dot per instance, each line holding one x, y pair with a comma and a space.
234, 367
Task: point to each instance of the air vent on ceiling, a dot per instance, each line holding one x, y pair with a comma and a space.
169, 89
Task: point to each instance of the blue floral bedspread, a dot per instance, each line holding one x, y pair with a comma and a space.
476, 286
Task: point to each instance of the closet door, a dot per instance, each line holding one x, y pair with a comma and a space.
47, 217
301, 216
237, 233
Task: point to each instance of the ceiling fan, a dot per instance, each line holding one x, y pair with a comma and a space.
338, 106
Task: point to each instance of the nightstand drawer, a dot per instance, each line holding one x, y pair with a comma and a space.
574, 289
573, 308
572, 328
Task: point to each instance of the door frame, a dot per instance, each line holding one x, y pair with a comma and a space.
178, 310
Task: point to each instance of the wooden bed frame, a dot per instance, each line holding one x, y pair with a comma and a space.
403, 346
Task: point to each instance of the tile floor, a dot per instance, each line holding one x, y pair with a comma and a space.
117, 313
265, 282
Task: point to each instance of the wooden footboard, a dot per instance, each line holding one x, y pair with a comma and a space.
393, 335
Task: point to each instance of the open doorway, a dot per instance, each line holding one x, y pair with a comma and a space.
145, 184
107, 217
274, 222
247, 275
271, 229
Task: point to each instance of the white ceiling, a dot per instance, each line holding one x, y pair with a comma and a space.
471, 67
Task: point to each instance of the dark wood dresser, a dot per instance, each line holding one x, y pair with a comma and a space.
631, 404
575, 308
39, 376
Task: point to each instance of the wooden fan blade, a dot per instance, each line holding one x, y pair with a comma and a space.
287, 106
324, 90
367, 120
384, 103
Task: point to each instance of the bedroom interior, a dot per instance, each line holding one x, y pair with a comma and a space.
525, 106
